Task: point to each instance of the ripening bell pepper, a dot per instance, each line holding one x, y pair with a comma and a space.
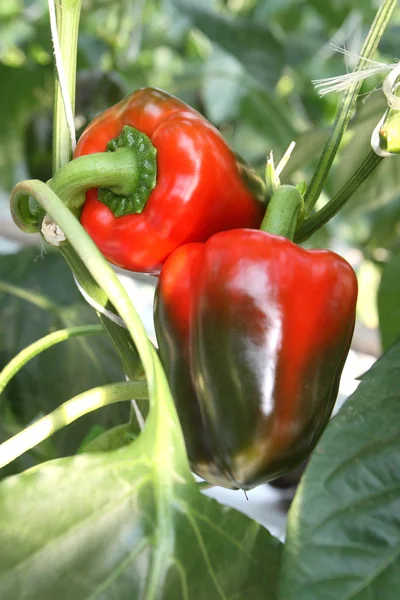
189, 186
253, 333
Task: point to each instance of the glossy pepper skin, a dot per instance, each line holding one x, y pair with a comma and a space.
253, 333
202, 187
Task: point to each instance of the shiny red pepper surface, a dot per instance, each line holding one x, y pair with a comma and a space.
253, 334
201, 185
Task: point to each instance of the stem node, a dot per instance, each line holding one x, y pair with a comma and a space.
52, 232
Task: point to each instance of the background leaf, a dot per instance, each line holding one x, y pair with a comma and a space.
251, 42
389, 302
222, 87
343, 537
87, 526
64, 370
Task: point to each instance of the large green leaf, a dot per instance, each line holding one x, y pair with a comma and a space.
89, 527
343, 537
389, 302
129, 524
66, 369
251, 42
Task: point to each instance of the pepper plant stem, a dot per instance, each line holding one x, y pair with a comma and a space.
347, 106
284, 213
103, 169
68, 14
67, 413
326, 213
119, 335
23, 357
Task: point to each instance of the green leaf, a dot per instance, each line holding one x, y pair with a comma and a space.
14, 110
128, 524
343, 536
268, 116
389, 302
222, 86
64, 370
384, 225
99, 440
92, 435
251, 42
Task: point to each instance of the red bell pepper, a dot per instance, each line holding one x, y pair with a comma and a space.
253, 333
201, 188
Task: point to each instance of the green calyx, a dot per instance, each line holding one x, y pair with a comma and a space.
285, 212
125, 176
122, 201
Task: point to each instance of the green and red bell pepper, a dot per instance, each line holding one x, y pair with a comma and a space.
253, 333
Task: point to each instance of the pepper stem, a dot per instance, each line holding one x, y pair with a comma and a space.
285, 212
115, 171
126, 174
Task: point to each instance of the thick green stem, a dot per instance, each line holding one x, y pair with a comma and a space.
347, 106
67, 413
23, 357
284, 213
114, 170
326, 213
68, 14
125, 175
